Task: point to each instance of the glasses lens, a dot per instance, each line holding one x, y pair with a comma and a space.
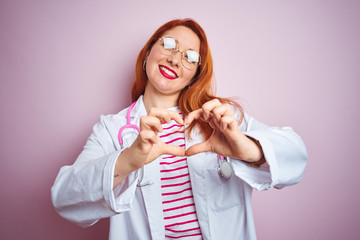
192, 56
191, 59
169, 45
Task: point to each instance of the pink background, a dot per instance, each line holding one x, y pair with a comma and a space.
296, 63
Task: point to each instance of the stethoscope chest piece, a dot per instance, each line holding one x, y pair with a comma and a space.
225, 168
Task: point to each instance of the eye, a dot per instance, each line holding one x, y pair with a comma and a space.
192, 56
169, 43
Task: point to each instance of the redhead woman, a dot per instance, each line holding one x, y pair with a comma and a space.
187, 165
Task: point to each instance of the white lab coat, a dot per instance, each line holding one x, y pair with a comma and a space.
82, 193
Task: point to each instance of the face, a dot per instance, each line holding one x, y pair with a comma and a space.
166, 73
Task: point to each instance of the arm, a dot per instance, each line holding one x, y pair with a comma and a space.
284, 151
250, 145
83, 192
102, 181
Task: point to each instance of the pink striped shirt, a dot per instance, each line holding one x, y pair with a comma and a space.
177, 199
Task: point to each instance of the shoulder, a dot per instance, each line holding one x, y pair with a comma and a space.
111, 121
113, 117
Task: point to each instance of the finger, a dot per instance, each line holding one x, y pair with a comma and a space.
213, 124
173, 150
222, 110
150, 123
175, 116
149, 136
146, 141
166, 115
193, 115
228, 122
208, 107
160, 114
198, 148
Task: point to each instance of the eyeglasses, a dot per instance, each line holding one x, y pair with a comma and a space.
190, 58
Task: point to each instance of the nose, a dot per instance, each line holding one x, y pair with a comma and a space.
175, 58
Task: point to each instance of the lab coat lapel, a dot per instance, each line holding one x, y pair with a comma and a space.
152, 199
196, 164
151, 193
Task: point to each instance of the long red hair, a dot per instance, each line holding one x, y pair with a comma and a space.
200, 91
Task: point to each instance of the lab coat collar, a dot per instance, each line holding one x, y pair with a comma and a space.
138, 111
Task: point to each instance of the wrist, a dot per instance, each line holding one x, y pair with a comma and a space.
124, 163
256, 155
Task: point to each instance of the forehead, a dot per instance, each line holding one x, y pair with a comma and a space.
187, 38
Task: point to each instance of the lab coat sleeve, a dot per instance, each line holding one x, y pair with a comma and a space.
283, 150
83, 192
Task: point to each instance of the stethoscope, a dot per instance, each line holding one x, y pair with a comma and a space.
121, 142
224, 169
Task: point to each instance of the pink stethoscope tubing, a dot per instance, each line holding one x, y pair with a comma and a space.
121, 142
128, 125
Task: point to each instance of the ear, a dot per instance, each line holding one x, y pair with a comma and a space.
145, 60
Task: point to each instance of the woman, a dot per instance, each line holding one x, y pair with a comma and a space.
165, 182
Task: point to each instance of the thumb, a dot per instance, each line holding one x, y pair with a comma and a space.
173, 150
198, 148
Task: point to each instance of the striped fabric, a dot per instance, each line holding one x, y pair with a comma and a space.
177, 198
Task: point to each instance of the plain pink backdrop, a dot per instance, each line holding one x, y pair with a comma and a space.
295, 63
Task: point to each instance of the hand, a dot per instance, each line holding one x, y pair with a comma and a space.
148, 146
226, 139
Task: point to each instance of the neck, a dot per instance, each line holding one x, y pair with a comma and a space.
158, 100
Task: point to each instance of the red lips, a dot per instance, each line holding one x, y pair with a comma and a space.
167, 72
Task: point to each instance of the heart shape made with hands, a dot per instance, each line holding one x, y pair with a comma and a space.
226, 139
219, 116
